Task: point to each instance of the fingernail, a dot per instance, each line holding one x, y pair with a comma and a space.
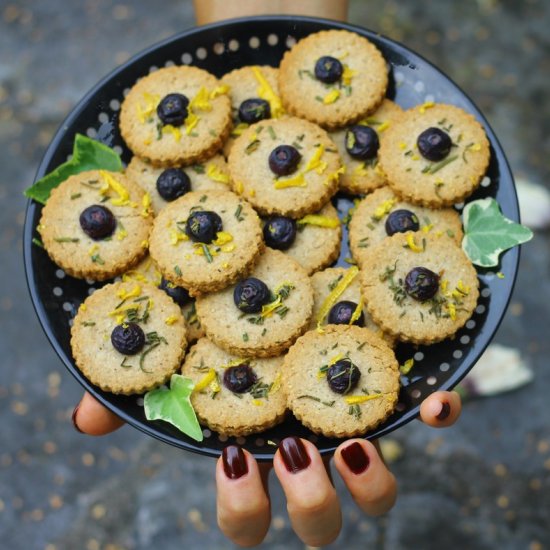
445, 411
294, 454
355, 458
73, 418
234, 462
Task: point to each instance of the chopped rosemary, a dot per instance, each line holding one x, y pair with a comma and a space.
313, 398
355, 410
364, 242
207, 253
245, 336
97, 259
238, 213
75, 196
124, 365
361, 346
333, 284
37, 242
319, 98
272, 133
67, 240
88, 324
198, 168
260, 390
264, 331
432, 169
252, 146
203, 198
450, 233
212, 132
177, 270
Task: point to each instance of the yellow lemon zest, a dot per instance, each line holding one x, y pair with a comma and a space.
151, 102
347, 75
257, 402
320, 221
427, 228
82, 307
500, 275
415, 157
111, 183
201, 101
335, 175
276, 385
215, 385
384, 208
356, 312
315, 162
357, 399
199, 249
331, 97
335, 293
228, 247
402, 145
148, 141
169, 129
443, 284
121, 234
452, 310
146, 203
412, 244
265, 91
425, 106
234, 363
190, 122
222, 237
176, 236
217, 174
93, 250
219, 90
205, 381
406, 367
268, 309
133, 293
296, 181
239, 187
360, 170
475, 147
171, 320
252, 193
145, 243
384, 126
225, 265
239, 129
335, 359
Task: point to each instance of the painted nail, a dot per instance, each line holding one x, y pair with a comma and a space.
294, 454
234, 462
73, 418
355, 458
445, 411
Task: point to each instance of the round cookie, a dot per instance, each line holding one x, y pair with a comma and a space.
454, 292
363, 176
251, 82
434, 183
126, 304
147, 272
256, 408
325, 283
358, 91
212, 174
122, 238
206, 125
368, 223
318, 239
303, 191
363, 406
198, 266
279, 322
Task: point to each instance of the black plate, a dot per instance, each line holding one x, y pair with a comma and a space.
220, 48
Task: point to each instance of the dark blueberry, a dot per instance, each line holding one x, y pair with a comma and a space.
253, 110
400, 221
97, 222
343, 376
173, 183
279, 232
128, 338
202, 226
421, 283
328, 69
179, 294
434, 144
284, 159
240, 378
172, 109
362, 142
340, 314
251, 294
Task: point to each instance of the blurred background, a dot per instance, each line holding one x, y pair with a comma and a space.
482, 484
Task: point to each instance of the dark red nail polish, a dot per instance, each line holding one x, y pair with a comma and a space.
294, 454
73, 418
445, 411
355, 458
234, 462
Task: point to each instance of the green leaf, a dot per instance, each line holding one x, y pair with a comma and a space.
88, 154
487, 233
174, 406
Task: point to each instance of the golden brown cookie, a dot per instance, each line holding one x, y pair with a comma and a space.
306, 187
369, 224
268, 320
96, 224
233, 395
211, 174
115, 355
198, 263
252, 82
357, 92
187, 132
316, 242
454, 172
362, 174
419, 287
341, 383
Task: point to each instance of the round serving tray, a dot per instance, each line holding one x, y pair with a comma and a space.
219, 48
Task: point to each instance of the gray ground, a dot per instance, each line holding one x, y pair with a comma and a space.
482, 484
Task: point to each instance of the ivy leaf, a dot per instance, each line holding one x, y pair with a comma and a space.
174, 406
88, 154
487, 233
